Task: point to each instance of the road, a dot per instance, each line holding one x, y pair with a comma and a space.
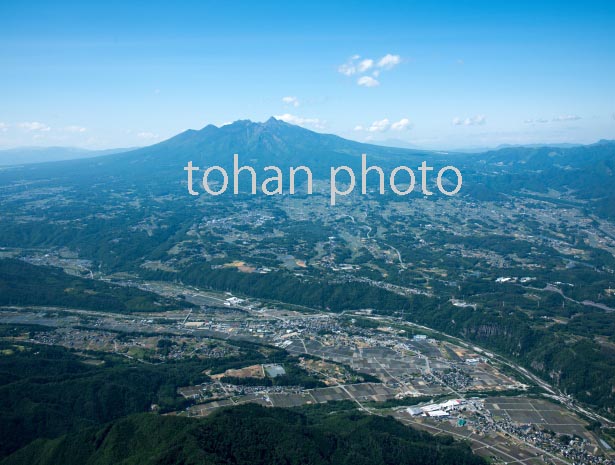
554, 392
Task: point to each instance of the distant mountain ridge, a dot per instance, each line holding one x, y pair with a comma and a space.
586, 172
261, 144
27, 155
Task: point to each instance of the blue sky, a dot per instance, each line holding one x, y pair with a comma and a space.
432, 74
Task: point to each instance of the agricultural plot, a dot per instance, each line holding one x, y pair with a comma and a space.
540, 412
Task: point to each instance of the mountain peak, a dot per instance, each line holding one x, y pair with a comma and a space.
273, 121
240, 122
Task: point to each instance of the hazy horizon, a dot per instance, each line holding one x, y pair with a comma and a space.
385, 141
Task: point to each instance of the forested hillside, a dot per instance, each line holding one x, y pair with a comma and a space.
24, 284
250, 435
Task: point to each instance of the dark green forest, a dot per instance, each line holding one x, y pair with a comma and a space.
250, 435
24, 284
47, 391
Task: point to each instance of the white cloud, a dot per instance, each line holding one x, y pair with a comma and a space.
300, 121
347, 69
380, 125
566, 118
401, 125
555, 119
75, 129
360, 67
354, 66
34, 126
147, 135
365, 65
294, 101
384, 125
389, 61
470, 121
4, 127
368, 81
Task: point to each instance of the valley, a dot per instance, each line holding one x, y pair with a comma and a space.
395, 364
381, 304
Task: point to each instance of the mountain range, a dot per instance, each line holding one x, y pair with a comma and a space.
28, 155
584, 172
